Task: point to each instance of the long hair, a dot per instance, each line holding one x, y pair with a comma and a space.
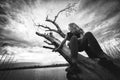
75, 28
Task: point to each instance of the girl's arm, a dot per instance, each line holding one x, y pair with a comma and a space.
63, 42
61, 45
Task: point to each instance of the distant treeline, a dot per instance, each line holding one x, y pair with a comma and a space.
35, 66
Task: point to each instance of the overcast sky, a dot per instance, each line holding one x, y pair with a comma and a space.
18, 19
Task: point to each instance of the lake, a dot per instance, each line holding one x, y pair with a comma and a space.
35, 74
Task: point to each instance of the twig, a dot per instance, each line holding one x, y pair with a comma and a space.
63, 11
48, 47
46, 27
48, 43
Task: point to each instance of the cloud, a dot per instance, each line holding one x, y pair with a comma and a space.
17, 27
18, 16
18, 30
102, 17
110, 8
3, 21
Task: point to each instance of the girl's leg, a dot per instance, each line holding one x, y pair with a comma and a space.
93, 48
74, 47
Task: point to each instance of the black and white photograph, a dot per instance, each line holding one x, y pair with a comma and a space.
59, 40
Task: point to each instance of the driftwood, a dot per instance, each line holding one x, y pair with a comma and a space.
87, 69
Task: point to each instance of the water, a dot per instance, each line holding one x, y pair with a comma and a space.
35, 74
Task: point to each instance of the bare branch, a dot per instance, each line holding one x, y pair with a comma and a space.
48, 43
45, 36
46, 27
48, 47
65, 52
59, 31
70, 6
52, 21
49, 37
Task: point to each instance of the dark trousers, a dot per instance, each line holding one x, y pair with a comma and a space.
88, 43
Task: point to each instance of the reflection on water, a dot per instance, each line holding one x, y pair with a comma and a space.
35, 74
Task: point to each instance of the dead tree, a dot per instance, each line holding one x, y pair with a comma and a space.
88, 69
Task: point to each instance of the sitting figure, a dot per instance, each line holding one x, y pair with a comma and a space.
80, 41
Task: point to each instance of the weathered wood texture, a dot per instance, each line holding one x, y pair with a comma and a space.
88, 69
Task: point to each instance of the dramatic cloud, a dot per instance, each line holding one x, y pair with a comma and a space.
17, 25
18, 19
102, 18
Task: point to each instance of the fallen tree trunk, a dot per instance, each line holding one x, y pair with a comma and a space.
96, 70
87, 69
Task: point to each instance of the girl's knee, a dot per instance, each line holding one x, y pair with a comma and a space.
88, 34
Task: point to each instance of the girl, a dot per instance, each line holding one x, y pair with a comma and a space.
80, 41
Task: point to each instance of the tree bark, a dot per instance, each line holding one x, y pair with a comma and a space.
88, 69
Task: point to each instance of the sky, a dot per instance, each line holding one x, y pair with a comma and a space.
19, 17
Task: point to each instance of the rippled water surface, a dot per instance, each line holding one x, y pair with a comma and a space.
35, 74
